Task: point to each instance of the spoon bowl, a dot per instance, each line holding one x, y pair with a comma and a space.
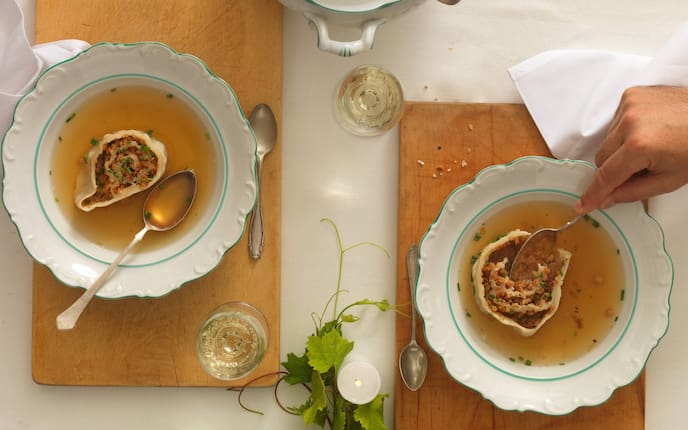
541, 242
165, 207
413, 361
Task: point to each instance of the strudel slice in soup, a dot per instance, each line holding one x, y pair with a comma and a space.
524, 304
119, 165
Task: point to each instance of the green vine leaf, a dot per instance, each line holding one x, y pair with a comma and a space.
330, 326
300, 371
338, 414
370, 414
318, 400
327, 351
299, 410
348, 318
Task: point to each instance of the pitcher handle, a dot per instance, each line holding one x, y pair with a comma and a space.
344, 49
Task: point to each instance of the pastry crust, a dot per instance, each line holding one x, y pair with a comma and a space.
121, 164
525, 304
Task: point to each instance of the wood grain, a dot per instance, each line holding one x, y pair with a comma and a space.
443, 136
151, 342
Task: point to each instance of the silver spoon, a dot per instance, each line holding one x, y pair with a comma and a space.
165, 207
263, 122
413, 362
541, 242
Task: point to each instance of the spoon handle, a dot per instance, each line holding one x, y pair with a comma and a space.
68, 318
570, 223
255, 232
412, 270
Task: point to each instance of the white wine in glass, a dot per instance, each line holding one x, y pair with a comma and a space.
369, 101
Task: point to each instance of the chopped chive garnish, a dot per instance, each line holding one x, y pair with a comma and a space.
147, 215
169, 95
94, 141
616, 318
468, 314
623, 293
512, 359
477, 237
592, 220
59, 138
57, 200
149, 132
528, 363
70, 117
112, 90
458, 286
207, 136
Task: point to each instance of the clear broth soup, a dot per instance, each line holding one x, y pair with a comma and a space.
152, 110
592, 292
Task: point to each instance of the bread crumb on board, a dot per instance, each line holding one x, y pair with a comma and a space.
441, 170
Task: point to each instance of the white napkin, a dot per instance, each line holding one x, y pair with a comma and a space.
572, 95
20, 64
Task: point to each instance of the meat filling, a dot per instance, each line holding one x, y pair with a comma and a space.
524, 301
124, 162
528, 300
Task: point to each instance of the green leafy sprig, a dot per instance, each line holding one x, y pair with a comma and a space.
316, 368
325, 351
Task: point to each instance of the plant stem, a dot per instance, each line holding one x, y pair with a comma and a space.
340, 248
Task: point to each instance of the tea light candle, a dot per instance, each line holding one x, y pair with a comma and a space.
358, 382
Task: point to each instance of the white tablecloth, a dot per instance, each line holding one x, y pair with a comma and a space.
458, 53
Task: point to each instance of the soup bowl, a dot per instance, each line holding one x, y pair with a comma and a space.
517, 382
227, 184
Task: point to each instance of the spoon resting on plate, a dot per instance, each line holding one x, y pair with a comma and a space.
165, 207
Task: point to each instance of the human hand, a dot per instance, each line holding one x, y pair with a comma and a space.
645, 152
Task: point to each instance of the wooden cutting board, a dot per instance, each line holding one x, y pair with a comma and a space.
150, 342
441, 147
